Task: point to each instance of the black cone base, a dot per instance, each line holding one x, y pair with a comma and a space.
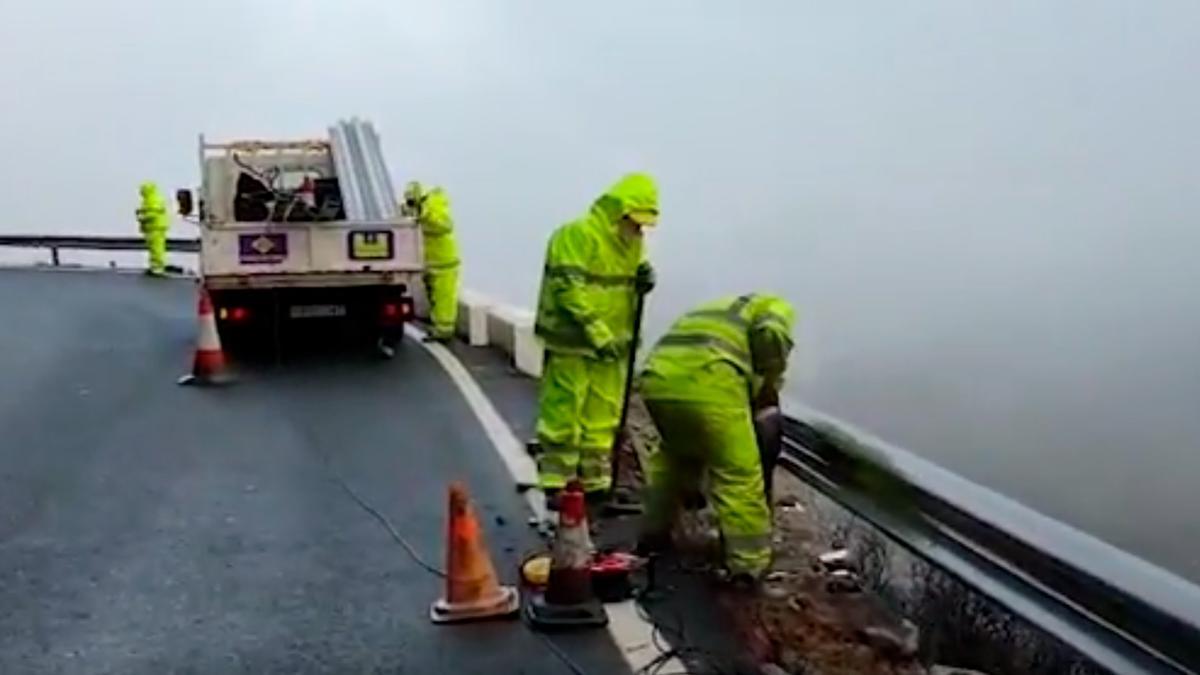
588, 614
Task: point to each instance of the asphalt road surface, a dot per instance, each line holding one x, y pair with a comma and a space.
151, 528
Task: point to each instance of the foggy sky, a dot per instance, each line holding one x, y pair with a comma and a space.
986, 212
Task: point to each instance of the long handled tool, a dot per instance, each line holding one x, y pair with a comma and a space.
621, 502
768, 430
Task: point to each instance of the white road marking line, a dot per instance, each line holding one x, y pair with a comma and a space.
512, 451
629, 631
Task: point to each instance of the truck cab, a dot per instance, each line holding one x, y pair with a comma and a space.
304, 232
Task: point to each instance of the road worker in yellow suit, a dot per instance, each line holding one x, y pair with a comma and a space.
431, 209
594, 270
153, 221
702, 382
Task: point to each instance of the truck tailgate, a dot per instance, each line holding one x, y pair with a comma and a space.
271, 249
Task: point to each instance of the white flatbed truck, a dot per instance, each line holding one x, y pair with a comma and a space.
305, 231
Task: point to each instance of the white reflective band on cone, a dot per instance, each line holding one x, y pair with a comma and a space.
208, 340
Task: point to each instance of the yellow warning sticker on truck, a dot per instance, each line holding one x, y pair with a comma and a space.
371, 245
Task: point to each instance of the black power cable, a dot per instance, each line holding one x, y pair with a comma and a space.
387, 525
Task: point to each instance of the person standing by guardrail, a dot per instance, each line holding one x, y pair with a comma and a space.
594, 271
154, 221
702, 382
432, 211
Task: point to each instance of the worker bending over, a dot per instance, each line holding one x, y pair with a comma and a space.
153, 222
593, 275
432, 212
701, 384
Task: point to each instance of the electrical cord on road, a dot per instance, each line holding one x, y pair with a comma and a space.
366, 506
387, 524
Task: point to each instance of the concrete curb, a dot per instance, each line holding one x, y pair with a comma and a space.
484, 322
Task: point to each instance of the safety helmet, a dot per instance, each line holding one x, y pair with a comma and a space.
147, 188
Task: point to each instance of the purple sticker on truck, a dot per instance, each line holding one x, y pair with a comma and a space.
263, 248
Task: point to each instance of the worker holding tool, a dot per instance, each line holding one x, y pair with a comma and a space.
153, 222
431, 209
703, 383
593, 277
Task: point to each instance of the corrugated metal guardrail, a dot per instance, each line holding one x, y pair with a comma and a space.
1119, 611
91, 243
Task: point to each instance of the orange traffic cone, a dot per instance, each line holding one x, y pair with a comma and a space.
569, 601
472, 591
209, 366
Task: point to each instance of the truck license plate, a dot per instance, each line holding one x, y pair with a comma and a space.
317, 311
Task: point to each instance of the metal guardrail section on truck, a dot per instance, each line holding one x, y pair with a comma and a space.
367, 191
1121, 612
91, 243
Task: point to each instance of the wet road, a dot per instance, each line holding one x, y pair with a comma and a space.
150, 528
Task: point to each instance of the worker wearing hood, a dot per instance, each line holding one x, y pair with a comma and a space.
594, 271
431, 209
153, 222
702, 383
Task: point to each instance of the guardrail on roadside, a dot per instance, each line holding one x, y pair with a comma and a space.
91, 243
1122, 613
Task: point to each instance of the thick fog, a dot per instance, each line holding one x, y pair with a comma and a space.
986, 213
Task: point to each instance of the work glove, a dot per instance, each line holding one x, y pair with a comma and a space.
609, 350
646, 279
768, 395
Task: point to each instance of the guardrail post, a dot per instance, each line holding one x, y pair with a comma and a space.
54, 255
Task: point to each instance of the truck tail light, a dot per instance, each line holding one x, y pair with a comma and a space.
396, 312
234, 314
